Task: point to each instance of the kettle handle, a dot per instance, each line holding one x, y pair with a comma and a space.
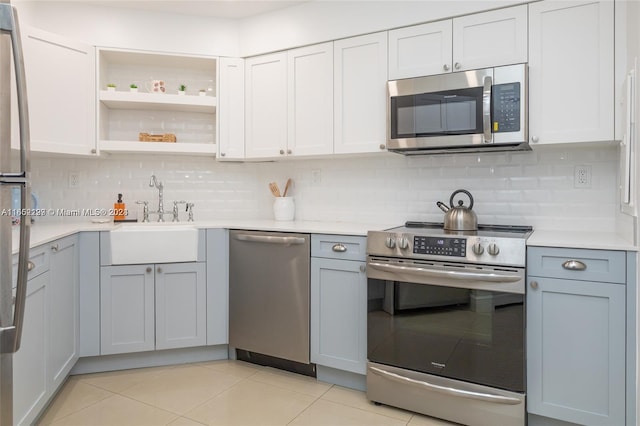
442, 206
464, 191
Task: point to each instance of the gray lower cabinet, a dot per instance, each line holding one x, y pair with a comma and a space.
576, 310
147, 307
339, 302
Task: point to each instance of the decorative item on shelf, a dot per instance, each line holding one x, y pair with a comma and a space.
202, 92
156, 86
148, 137
111, 87
182, 89
133, 87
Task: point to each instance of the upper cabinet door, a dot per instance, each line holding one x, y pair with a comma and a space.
310, 100
571, 81
60, 76
266, 106
420, 50
230, 109
360, 88
490, 39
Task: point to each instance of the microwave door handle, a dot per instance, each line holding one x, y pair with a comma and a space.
486, 109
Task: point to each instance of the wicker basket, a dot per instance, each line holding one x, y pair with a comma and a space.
148, 137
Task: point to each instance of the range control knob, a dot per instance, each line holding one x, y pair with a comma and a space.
390, 242
493, 249
403, 243
477, 249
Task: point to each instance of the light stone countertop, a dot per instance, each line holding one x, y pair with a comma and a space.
42, 233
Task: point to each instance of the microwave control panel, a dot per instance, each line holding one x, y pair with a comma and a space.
506, 107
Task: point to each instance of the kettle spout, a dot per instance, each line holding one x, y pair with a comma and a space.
442, 206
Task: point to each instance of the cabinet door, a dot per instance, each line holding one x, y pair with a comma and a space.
339, 314
490, 39
420, 50
29, 363
571, 71
63, 322
266, 106
576, 351
59, 72
360, 94
127, 315
181, 318
310, 100
231, 109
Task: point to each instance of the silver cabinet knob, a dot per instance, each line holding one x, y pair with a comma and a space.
31, 266
457, 65
148, 269
289, 151
493, 249
382, 146
55, 247
159, 270
403, 243
390, 242
534, 285
535, 139
446, 67
94, 151
282, 152
222, 154
477, 248
363, 268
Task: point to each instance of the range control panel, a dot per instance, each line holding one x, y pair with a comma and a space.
440, 246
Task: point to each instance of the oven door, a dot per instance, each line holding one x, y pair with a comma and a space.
458, 321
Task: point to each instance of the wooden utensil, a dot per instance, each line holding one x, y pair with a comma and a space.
274, 189
286, 187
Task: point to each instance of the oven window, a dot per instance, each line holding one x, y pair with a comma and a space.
437, 114
470, 335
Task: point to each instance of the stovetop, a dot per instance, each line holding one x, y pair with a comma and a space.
437, 229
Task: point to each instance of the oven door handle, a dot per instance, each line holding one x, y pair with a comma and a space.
498, 399
454, 275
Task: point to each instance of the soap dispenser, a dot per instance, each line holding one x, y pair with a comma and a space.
119, 209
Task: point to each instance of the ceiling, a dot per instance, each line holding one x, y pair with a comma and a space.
230, 9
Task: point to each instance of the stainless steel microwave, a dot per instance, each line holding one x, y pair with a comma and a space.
471, 111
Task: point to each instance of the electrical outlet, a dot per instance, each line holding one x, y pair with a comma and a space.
74, 179
582, 177
316, 176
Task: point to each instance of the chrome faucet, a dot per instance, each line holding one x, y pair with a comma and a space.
152, 183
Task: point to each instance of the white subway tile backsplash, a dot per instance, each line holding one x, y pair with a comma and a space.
531, 188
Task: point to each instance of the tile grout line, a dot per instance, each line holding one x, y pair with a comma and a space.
53, 402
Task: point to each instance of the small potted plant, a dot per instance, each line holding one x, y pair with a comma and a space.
111, 87
202, 92
133, 87
182, 89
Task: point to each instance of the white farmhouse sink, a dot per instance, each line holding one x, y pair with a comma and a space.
153, 243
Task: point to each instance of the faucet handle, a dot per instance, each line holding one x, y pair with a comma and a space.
190, 210
145, 210
175, 210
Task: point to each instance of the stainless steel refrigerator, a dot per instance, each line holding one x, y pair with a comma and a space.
14, 173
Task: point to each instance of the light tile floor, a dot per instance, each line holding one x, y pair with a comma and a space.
216, 393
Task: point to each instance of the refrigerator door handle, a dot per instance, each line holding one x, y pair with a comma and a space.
11, 334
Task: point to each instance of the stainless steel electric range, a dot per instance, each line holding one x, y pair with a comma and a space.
446, 322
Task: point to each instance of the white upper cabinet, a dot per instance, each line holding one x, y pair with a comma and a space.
231, 109
310, 100
360, 94
420, 50
126, 112
481, 40
60, 77
490, 39
266, 106
571, 66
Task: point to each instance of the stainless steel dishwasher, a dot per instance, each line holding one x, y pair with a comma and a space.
269, 294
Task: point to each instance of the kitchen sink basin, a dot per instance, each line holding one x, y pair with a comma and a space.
153, 243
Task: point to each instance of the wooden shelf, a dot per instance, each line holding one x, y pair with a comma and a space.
136, 147
158, 101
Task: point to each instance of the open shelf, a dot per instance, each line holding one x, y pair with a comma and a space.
158, 101
136, 147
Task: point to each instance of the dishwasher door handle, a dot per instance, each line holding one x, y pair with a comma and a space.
269, 239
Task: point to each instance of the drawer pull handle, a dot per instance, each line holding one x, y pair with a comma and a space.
574, 265
339, 248
31, 266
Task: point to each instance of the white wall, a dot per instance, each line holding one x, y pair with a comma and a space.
529, 188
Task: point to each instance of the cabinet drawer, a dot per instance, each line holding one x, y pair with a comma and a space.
39, 256
338, 246
588, 265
